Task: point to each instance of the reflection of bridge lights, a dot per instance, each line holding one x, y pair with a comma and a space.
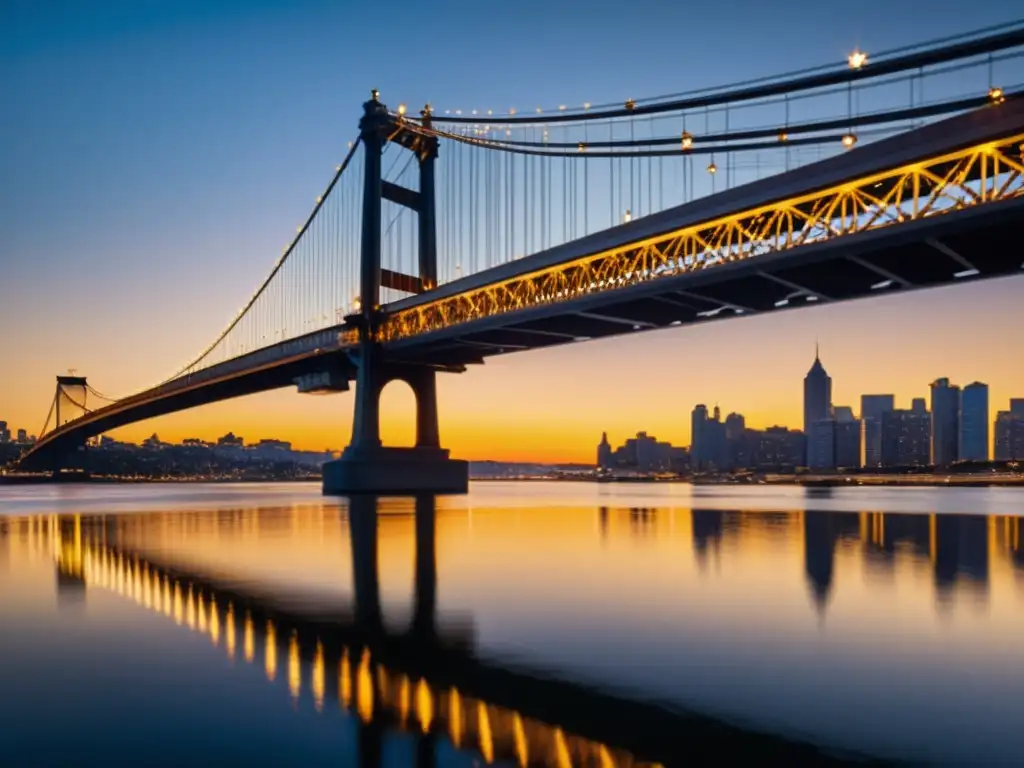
229, 631
270, 661
294, 668
345, 680
214, 622
849, 140
317, 679
424, 705
519, 734
483, 727
857, 59
249, 639
455, 716
364, 688
404, 699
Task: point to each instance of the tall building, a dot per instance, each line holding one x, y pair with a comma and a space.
604, 452
1009, 433
22, 436
5, 433
871, 409
906, 437
817, 398
821, 445
974, 422
945, 422
709, 449
847, 438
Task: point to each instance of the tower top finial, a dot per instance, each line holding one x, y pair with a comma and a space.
816, 355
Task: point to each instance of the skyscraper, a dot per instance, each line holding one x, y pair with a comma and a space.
604, 452
847, 438
817, 400
871, 409
974, 422
945, 422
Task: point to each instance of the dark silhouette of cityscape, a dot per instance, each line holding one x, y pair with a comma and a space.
955, 429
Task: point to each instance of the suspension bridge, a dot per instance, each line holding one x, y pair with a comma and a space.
449, 236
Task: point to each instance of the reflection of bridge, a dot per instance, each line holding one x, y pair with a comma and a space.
395, 277
426, 682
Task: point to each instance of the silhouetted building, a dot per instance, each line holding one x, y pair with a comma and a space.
1009, 436
871, 409
945, 422
230, 441
906, 437
22, 437
817, 397
5, 433
604, 452
821, 445
645, 453
709, 449
781, 448
974, 422
847, 438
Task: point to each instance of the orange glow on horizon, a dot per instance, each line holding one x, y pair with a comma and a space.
552, 405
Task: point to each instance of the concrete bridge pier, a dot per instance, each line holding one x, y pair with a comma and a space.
366, 466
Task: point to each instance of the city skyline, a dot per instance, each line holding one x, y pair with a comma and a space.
165, 190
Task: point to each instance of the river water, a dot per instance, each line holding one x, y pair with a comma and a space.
175, 624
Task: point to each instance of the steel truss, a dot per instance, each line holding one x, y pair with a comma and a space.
962, 180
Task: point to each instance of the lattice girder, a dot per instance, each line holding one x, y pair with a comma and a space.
957, 181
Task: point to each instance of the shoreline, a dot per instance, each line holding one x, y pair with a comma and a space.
810, 481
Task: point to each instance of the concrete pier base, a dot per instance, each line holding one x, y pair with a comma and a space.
395, 471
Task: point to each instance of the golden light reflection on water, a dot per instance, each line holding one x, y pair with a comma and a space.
931, 556
270, 651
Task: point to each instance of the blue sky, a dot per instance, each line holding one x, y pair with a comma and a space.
155, 155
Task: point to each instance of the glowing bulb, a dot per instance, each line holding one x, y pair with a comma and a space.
996, 95
586, 105
687, 140
783, 136
627, 217
581, 146
561, 107
357, 304
712, 168
375, 94
539, 110
849, 140
401, 109
630, 104
857, 59
512, 111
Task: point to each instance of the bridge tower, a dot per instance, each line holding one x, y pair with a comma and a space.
366, 466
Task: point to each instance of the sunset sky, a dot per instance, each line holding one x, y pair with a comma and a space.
155, 155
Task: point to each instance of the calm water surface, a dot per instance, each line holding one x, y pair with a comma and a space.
183, 624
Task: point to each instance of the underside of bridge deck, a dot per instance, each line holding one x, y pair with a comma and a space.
963, 248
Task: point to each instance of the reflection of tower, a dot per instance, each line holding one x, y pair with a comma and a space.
821, 532
362, 517
362, 521
641, 519
425, 612
707, 532
961, 549
602, 522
